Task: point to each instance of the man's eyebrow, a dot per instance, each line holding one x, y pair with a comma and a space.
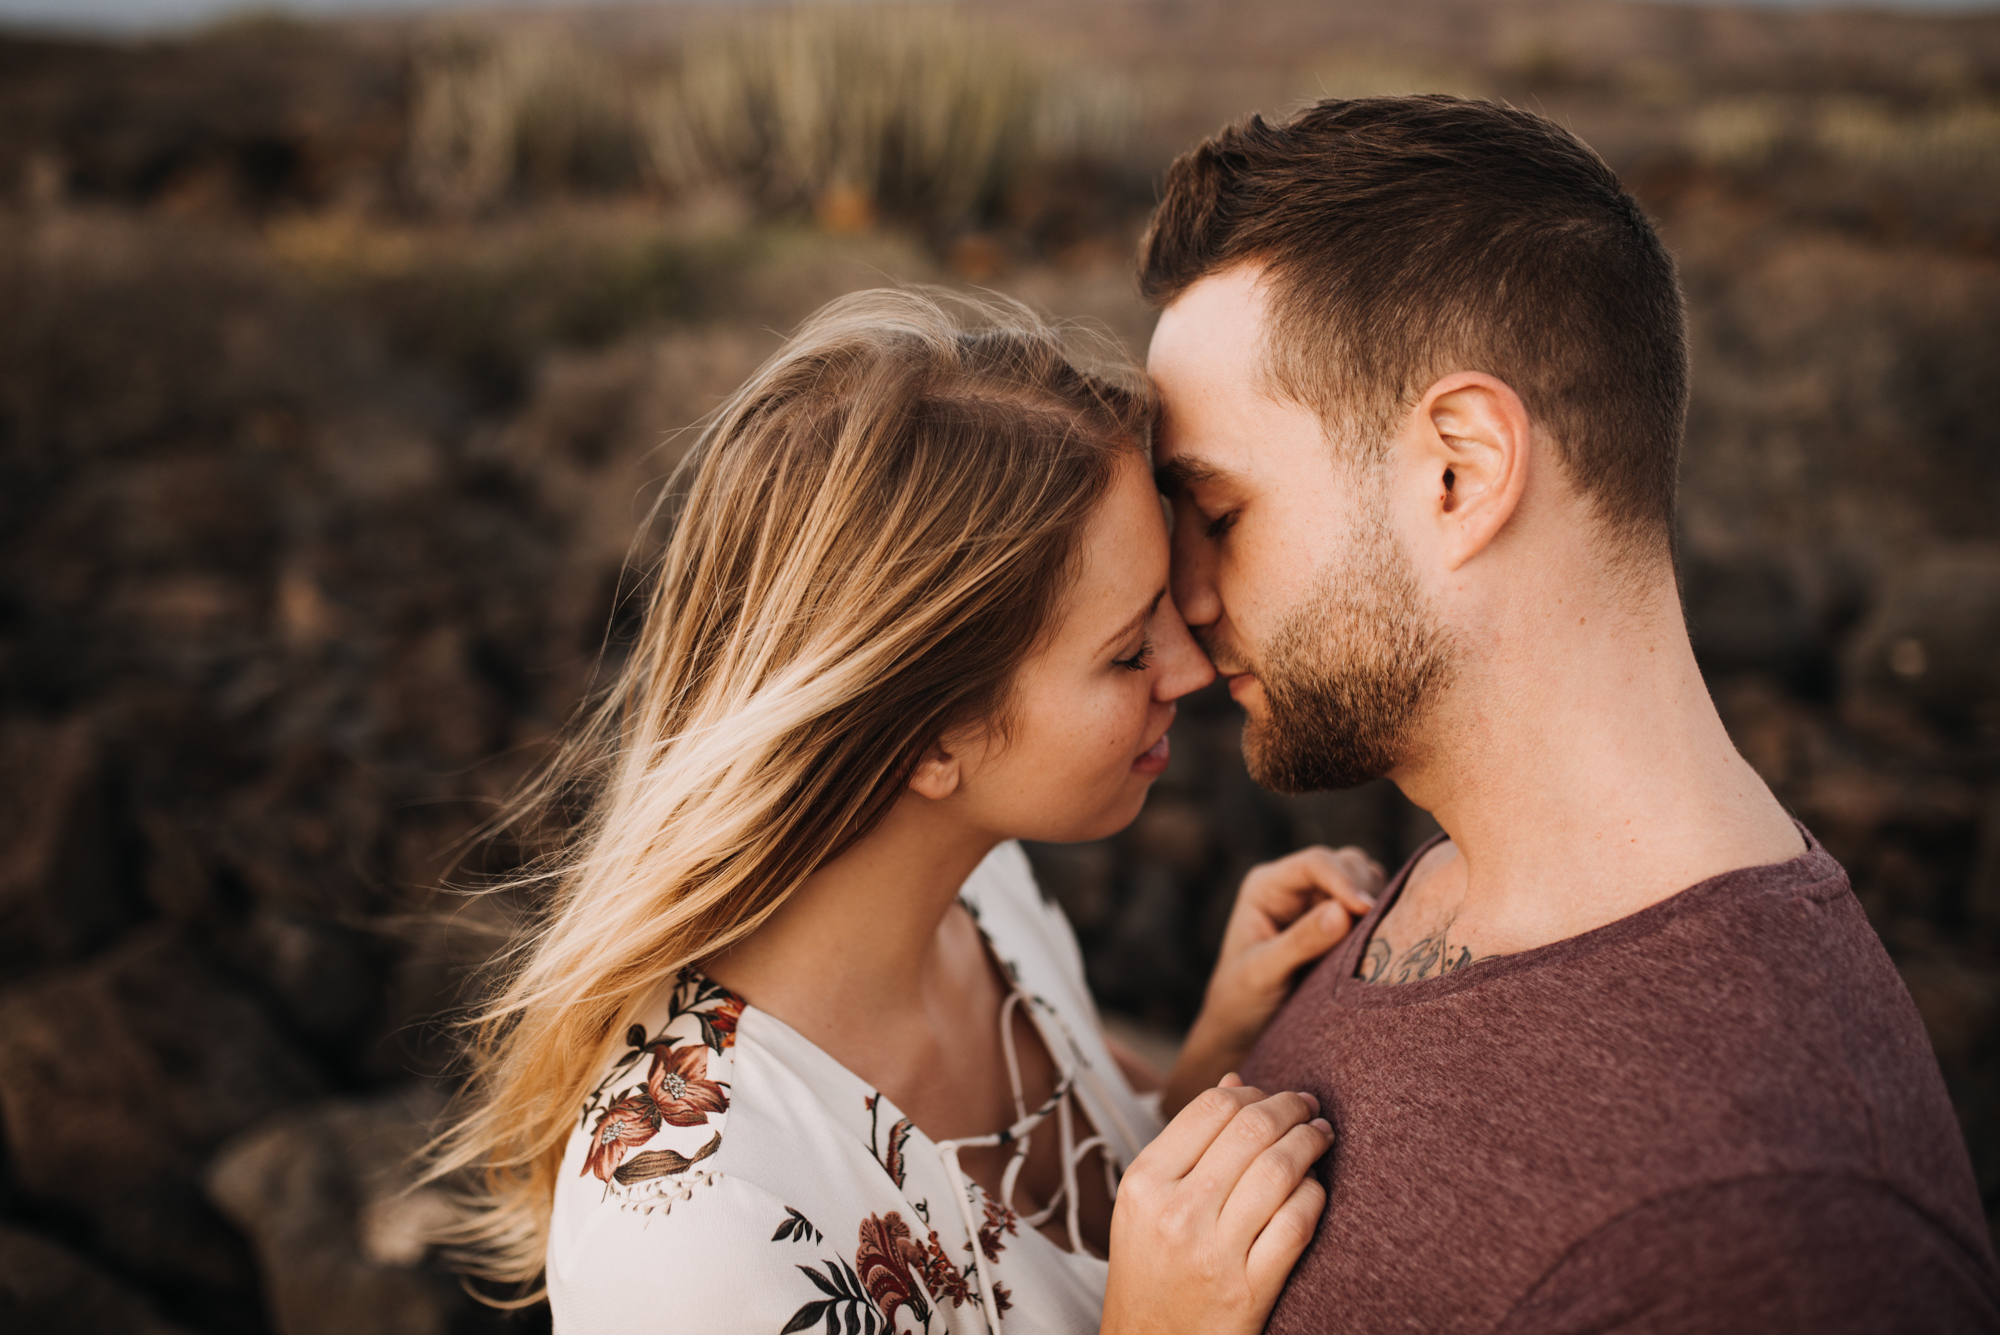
1136, 621
1183, 471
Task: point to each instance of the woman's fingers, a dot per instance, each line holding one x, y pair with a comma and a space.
1302, 906
1176, 1150
1269, 1181
1306, 940
1346, 875
1283, 1240
1283, 890
1255, 1128
1176, 1261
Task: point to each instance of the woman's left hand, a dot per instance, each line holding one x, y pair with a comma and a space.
1288, 913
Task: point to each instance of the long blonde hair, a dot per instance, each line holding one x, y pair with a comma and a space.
876, 531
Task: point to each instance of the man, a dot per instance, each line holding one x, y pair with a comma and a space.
1620, 1053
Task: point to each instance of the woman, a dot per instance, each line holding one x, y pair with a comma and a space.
799, 1043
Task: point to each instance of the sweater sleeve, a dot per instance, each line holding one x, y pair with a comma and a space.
1768, 1254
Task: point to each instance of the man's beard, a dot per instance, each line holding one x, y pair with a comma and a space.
1348, 674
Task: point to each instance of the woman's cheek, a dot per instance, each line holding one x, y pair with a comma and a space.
1113, 725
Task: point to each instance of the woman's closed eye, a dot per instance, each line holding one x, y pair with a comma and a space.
1220, 525
1139, 661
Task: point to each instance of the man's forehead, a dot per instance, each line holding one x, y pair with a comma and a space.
1217, 322
1220, 414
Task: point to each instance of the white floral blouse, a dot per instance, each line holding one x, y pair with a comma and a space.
728, 1175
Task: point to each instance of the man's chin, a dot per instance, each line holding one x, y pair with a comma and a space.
1293, 762
1269, 761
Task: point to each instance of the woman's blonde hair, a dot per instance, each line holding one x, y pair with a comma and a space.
875, 532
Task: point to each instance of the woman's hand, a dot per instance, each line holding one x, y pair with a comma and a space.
1288, 913
1213, 1214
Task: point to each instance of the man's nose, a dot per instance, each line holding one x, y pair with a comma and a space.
1183, 665
1192, 578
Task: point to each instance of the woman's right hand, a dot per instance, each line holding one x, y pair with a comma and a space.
1213, 1214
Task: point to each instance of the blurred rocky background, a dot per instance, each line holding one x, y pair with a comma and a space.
339, 364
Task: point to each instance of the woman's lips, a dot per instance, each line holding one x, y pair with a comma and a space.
1154, 761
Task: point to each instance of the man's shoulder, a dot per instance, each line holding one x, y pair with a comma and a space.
1786, 1251
1750, 957
1754, 1016
1750, 1028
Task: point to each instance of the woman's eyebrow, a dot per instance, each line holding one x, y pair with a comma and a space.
1136, 621
1183, 471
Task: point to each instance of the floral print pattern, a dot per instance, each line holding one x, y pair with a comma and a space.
887, 1236
884, 1259
999, 1219
915, 1248
676, 1086
888, 1153
892, 1271
895, 1273
677, 1090
843, 1294
627, 1122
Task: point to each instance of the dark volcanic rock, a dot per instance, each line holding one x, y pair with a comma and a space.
45, 1290
1931, 642
118, 1078
64, 885
322, 1194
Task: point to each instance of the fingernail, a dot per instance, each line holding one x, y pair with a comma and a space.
1367, 899
1310, 1099
1324, 1127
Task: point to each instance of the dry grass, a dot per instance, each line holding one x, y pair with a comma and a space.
533, 107
919, 112
1952, 138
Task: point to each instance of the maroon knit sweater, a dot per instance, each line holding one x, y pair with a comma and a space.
1720, 1114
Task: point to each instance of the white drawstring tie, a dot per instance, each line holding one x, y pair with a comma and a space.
1020, 1134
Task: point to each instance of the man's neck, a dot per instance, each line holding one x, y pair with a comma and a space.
1583, 774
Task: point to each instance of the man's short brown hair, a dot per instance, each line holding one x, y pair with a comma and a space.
1410, 237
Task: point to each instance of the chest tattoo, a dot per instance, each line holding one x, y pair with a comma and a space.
1433, 956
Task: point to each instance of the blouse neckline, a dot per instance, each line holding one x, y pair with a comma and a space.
891, 1137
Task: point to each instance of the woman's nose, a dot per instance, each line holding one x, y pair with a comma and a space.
1183, 666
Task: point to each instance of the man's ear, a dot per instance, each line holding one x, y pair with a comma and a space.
937, 774
1473, 433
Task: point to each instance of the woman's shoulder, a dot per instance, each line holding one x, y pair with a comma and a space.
662, 1105
1004, 896
654, 1187
718, 1251
717, 1179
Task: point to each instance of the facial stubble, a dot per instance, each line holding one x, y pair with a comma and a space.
1349, 673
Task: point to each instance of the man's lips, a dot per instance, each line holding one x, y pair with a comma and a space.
1240, 682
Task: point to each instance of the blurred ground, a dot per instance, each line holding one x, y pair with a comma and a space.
336, 365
